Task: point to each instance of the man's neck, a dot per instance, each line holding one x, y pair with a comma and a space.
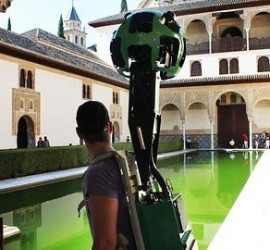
97, 148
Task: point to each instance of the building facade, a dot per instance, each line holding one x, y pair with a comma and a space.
43, 80
223, 89
221, 93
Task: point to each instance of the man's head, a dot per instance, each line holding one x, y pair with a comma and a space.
93, 122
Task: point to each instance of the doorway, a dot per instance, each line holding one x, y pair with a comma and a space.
25, 135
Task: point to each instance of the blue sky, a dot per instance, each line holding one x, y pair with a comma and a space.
29, 14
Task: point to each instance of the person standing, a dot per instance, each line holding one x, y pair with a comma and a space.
40, 142
103, 192
46, 143
245, 141
256, 141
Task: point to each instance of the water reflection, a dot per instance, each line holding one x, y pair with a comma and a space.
51, 222
210, 183
28, 219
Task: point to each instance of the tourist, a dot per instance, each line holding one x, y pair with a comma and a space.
40, 142
256, 141
46, 143
232, 143
267, 141
103, 193
245, 141
262, 139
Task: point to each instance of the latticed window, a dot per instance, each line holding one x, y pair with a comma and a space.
263, 64
196, 69
86, 91
29, 80
115, 98
22, 78
233, 98
234, 66
223, 67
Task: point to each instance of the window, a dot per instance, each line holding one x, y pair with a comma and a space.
76, 39
86, 91
263, 64
223, 67
82, 41
234, 68
115, 97
223, 99
29, 80
196, 69
233, 98
22, 78
26, 79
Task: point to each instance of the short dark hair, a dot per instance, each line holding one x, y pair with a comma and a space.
93, 121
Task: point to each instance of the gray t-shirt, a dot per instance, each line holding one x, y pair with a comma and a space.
103, 178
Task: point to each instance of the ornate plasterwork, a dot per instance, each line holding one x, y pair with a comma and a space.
170, 98
261, 94
196, 96
25, 102
116, 115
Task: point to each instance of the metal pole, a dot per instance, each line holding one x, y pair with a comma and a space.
1, 234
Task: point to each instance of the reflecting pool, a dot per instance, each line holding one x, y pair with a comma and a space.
47, 216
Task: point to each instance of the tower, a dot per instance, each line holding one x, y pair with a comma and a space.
72, 28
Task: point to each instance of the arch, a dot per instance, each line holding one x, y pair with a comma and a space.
231, 32
198, 122
263, 64
29, 79
223, 99
116, 132
196, 32
233, 98
196, 69
223, 67
76, 39
25, 134
84, 91
234, 66
88, 92
232, 120
170, 119
258, 31
261, 115
22, 78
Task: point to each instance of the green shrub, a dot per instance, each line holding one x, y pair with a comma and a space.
22, 162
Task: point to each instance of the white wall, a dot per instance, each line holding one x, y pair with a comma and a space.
60, 97
9, 78
124, 99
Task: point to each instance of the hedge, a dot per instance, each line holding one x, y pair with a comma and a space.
22, 162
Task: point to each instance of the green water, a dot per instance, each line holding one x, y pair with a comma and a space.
47, 216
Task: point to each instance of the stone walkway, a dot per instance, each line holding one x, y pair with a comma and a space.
246, 227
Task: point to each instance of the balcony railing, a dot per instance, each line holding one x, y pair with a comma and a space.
195, 49
259, 43
228, 45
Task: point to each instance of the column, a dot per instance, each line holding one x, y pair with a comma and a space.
184, 134
212, 134
246, 18
250, 133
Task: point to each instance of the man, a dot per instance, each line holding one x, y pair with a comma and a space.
103, 191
